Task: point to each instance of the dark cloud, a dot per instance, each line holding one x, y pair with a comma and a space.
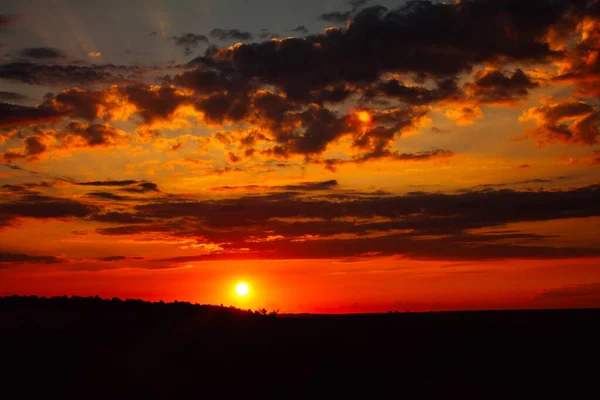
384, 127
119, 258
45, 207
108, 183
18, 258
13, 97
572, 122
310, 186
423, 156
418, 225
79, 134
134, 53
233, 158
494, 87
300, 29
413, 94
120, 218
135, 229
230, 34
266, 34
303, 186
465, 115
580, 65
529, 181
189, 41
582, 290
220, 108
85, 104
338, 17
405, 40
75, 135
210, 81
142, 187
108, 196
446, 249
155, 104
16, 168
42, 53
34, 147
60, 74
12, 115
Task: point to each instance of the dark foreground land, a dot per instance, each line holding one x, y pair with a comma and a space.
92, 348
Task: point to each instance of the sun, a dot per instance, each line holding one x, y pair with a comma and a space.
364, 117
242, 289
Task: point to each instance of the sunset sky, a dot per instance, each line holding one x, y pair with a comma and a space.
336, 156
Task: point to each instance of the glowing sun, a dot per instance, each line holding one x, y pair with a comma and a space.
242, 289
364, 117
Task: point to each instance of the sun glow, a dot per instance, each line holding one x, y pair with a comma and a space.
364, 117
242, 289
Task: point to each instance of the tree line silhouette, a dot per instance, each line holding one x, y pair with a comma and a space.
89, 347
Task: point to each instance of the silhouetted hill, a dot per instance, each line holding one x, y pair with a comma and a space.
94, 348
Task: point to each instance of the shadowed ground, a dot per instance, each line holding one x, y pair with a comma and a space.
122, 349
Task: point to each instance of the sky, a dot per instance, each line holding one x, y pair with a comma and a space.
335, 156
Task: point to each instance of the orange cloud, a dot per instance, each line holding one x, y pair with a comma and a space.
572, 122
465, 115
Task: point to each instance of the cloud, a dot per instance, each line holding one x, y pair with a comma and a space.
360, 53
108, 196
419, 225
189, 41
106, 104
303, 186
300, 29
393, 155
465, 115
155, 103
78, 134
580, 65
266, 34
230, 34
108, 183
119, 258
414, 94
43, 207
393, 62
341, 17
42, 53
61, 74
142, 187
13, 97
34, 148
12, 115
571, 122
19, 258
134, 230
120, 218
492, 86
582, 290
322, 220
338, 17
